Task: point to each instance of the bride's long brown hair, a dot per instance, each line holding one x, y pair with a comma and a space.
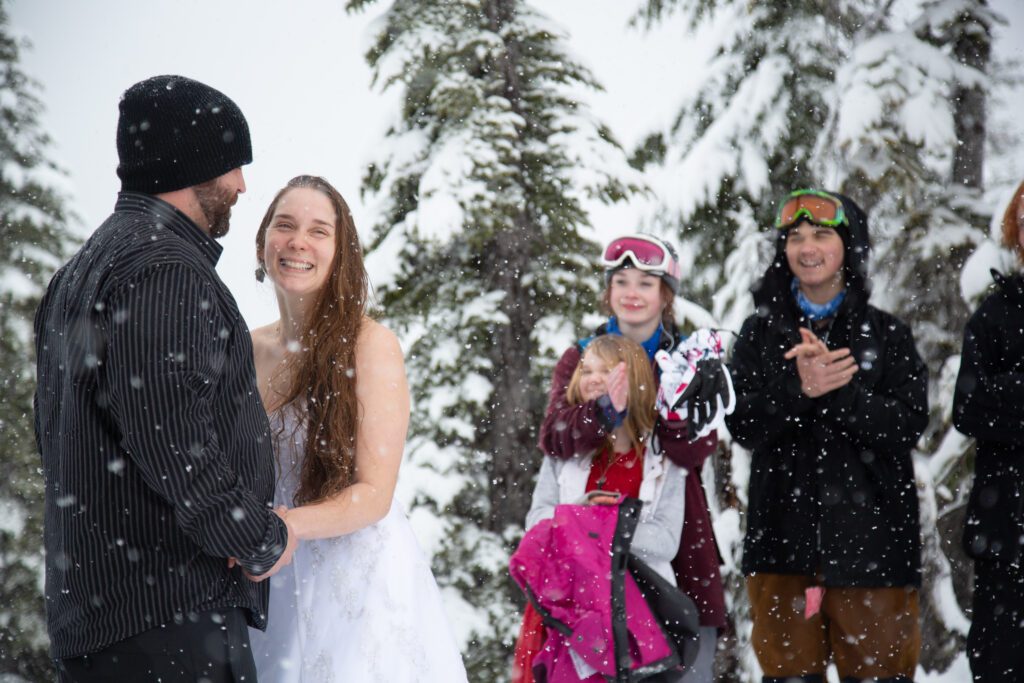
322, 375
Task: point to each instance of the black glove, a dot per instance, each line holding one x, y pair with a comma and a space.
712, 397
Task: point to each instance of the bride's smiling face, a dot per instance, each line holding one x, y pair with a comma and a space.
300, 241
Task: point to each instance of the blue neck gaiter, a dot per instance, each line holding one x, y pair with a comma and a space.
650, 344
813, 311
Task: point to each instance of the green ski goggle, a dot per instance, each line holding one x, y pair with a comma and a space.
814, 206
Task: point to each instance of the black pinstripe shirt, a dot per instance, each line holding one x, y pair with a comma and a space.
155, 447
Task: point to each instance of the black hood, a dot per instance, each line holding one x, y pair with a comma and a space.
773, 289
1010, 286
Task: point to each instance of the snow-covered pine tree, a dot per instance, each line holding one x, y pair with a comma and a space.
910, 130
33, 241
839, 95
968, 28
964, 28
478, 260
747, 136
893, 142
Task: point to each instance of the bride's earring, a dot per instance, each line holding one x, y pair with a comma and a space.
261, 273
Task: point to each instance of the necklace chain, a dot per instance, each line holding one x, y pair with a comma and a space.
613, 458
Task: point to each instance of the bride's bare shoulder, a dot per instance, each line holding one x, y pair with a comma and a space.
372, 333
377, 344
263, 337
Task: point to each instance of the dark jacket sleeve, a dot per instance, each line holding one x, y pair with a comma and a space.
767, 400
892, 415
569, 430
988, 402
674, 438
165, 348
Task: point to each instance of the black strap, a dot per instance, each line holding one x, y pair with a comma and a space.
629, 517
676, 614
545, 615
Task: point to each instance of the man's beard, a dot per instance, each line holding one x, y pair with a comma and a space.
215, 202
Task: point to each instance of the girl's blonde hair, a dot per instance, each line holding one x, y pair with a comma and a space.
611, 350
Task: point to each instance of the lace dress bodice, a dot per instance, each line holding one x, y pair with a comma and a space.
358, 607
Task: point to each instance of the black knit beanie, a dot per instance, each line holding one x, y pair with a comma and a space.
174, 132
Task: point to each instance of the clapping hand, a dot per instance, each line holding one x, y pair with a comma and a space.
821, 370
617, 387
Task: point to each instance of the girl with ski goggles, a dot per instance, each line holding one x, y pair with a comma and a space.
646, 253
813, 206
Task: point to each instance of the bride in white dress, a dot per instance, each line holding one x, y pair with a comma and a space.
358, 602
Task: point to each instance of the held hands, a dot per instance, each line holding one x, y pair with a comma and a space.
695, 384
286, 557
821, 370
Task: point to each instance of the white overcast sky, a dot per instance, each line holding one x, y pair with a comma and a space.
297, 71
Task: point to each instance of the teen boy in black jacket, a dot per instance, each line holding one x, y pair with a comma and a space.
831, 397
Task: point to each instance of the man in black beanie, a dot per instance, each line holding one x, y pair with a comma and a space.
154, 443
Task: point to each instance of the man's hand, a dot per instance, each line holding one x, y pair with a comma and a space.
286, 557
821, 370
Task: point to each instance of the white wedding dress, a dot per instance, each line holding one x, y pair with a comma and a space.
359, 608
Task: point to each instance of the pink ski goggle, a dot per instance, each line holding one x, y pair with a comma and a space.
647, 253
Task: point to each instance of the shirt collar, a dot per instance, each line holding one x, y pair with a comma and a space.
169, 217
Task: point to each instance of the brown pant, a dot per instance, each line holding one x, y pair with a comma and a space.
867, 632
